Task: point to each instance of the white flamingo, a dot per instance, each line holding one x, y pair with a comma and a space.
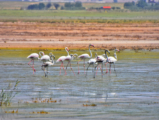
112, 60
45, 65
91, 62
85, 56
33, 56
69, 58
62, 59
46, 58
101, 60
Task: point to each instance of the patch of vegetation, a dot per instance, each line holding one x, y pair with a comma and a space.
8, 94
76, 14
72, 21
39, 6
56, 5
141, 5
73, 6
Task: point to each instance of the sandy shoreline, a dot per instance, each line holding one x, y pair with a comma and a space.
83, 45
78, 36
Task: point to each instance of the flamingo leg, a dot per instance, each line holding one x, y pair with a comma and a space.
32, 66
87, 69
29, 63
102, 69
97, 69
114, 69
110, 68
106, 67
46, 71
60, 68
78, 66
94, 71
43, 68
84, 66
72, 69
64, 69
67, 64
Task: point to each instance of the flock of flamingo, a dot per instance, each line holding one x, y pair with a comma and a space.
48, 60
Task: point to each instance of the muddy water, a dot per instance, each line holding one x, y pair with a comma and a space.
132, 94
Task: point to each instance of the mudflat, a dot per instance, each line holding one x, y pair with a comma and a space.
79, 35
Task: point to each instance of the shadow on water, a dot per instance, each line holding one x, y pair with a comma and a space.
132, 94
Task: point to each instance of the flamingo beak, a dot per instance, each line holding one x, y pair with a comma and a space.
92, 45
67, 49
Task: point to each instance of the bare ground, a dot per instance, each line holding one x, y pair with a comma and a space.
78, 36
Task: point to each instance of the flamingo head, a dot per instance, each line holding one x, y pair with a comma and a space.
41, 53
75, 55
91, 45
52, 56
107, 51
67, 49
116, 50
97, 58
72, 56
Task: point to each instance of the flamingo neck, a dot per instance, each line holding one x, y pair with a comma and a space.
96, 55
52, 60
115, 55
90, 51
66, 50
106, 55
41, 53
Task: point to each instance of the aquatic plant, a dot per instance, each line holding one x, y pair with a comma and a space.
7, 95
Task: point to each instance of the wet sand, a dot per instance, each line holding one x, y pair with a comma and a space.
78, 36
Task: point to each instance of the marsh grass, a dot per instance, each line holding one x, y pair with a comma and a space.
74, 21
8, 94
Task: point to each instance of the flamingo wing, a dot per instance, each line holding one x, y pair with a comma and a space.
33, 56
111, 59
61, 59
45, 58
91, 61
100, 58
84, 56
68, 58
48, 63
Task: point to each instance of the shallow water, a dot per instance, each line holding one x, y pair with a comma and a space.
132, 94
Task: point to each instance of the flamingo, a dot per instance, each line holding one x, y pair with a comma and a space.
112, 60
92, 61
33, 56
45, 58
62, 59
45, 65
69, 58
85, 56
101, 59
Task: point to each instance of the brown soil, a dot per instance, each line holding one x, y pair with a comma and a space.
79, 36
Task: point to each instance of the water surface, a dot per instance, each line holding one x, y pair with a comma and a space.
132, 94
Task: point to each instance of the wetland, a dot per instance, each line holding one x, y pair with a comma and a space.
132, 94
